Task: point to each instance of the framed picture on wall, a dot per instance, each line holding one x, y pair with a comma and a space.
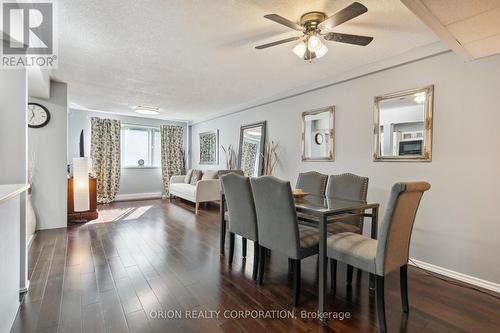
209, 147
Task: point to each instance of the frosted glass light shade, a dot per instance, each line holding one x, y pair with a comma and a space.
314, 43
321, 51
81, 184
300, 49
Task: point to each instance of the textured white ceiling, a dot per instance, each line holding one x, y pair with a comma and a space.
470, 27
194, 59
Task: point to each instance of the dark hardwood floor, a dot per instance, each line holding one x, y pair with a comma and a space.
140, 257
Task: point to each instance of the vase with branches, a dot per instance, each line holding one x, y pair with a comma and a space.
231, 158
270, 157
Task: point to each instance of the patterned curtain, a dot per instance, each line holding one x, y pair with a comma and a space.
105, 155
172, 158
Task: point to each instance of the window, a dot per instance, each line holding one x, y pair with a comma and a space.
140, 143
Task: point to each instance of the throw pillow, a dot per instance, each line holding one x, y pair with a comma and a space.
195, 176
210, 174
187, 180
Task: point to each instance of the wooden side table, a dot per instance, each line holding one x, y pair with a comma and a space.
92, 213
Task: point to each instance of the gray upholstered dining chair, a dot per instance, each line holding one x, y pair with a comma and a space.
242, 216
312, 182
278, 226
351, 187
390, 252
225, 218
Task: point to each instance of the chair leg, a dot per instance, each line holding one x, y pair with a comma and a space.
243, 247
333, 273
403, 281
196, 206
255, 260
231, 248
262, 261
349, 274
290, 264
296, 282
380, 303
223, 236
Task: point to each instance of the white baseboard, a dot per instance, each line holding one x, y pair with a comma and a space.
458, 276
138, 196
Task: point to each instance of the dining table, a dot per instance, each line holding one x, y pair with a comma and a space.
322, 210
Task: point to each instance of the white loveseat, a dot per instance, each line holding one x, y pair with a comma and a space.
205, 190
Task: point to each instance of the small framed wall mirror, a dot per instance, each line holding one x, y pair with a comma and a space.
318, 134
403, 125
209, 147
251, 149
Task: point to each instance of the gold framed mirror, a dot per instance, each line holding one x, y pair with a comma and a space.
403, 125
318, 134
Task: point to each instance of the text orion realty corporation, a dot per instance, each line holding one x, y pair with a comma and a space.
29, 32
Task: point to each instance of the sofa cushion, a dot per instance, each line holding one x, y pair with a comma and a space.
189, 173
195, 176
183, 189
210, 174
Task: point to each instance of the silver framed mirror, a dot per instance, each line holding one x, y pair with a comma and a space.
403, 125
209, 147
251, 149
318, 134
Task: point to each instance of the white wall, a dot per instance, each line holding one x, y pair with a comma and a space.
13, 170
48, 144
13, 132
457, 226
134, 182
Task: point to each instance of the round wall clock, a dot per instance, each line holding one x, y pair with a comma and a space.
38, 115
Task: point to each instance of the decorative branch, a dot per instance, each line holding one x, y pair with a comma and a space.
270, 157
231, 159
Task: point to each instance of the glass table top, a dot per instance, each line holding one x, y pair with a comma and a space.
328, 205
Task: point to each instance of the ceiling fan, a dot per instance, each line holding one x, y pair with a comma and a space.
314, 25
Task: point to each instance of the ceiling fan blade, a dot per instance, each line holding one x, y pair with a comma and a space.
278, 42
286, 22
349, 39
348, 13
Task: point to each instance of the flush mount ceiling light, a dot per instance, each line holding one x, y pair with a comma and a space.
148, 110
314, 25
